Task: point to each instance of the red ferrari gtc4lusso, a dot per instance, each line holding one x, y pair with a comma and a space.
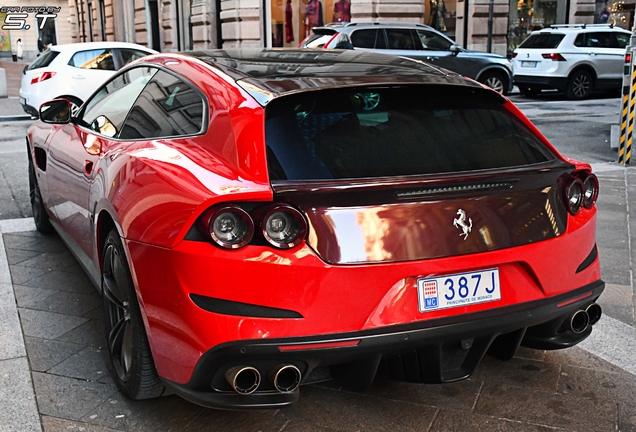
261, 219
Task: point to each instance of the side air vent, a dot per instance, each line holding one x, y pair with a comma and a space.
456, 189
40, 158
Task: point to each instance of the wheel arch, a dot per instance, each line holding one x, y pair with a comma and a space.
585, 67
495, 68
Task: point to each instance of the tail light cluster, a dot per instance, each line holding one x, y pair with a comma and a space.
553, 57
580, 191
231, 227
41, 76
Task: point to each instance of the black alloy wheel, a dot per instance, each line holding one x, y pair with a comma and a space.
580, 85
129, 352
40, 216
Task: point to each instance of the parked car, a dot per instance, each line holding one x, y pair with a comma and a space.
576, 59
74, 71
261, 219
418, 42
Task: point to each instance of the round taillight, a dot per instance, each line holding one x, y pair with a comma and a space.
590, 191
230, 227
284, 227
573, 194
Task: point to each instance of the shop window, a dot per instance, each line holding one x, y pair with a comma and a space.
619, 13
527, 16
292, 20
441, 15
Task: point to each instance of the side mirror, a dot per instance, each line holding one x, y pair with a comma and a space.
455, 49
57, 111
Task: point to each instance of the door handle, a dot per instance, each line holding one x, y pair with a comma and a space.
592, 53
88, 167
78, 76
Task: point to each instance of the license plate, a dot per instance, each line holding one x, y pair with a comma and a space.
22, 101
528, 64
457, 290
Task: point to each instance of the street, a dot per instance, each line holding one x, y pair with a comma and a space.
591, 387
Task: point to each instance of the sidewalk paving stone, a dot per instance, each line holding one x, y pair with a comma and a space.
17, 413
452, 421
47, 325
44, 353
54, 424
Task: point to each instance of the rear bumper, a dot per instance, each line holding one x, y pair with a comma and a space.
435, 351
541, 82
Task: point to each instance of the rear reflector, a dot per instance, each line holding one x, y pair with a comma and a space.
41, 76
574, 300
553, 56
320, 345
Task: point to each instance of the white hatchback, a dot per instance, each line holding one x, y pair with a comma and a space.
74, 71
576, 59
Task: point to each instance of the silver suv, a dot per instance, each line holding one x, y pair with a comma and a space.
418, 42
576, 59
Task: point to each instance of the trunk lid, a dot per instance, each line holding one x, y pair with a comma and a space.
431, 218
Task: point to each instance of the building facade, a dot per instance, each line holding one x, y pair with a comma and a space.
173, 25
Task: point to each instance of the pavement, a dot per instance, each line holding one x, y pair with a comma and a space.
54, 375
10, 108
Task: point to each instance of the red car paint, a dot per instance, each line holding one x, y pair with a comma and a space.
155, 190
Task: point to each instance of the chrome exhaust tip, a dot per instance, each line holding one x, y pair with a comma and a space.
287, 378
594, 311
243, 379
579, 321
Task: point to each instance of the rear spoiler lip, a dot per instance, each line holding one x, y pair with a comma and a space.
287, 186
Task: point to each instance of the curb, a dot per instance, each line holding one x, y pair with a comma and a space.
19, 117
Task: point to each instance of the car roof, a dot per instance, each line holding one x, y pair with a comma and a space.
268, 73
81, 46
353, 26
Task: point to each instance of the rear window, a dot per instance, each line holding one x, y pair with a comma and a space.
44, 60
369, 132
542, 40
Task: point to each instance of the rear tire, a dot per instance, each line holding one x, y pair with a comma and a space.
40, 216
580, 85
129, 352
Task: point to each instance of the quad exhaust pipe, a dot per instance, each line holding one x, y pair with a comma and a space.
243, 379
582, 318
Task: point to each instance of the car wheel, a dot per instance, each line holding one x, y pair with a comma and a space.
495, 81
580, 85
76, 103
129, 352
40, 216
529, 91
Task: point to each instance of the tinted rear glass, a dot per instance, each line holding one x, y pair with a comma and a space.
358, 133
542, 40
44, 60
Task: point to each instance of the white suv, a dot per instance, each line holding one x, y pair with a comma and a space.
576, 59
74, 71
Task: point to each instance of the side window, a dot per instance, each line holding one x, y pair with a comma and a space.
580, 40
128, 55
400, 39
167, 107
106, 111
364, 38
433, 41
622, 39
93, 59
600, 40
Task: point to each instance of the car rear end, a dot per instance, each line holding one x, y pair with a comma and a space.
412, 229
539, 63
40, 81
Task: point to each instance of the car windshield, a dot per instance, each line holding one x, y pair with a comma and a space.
542, 40
44, 60
379, 132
